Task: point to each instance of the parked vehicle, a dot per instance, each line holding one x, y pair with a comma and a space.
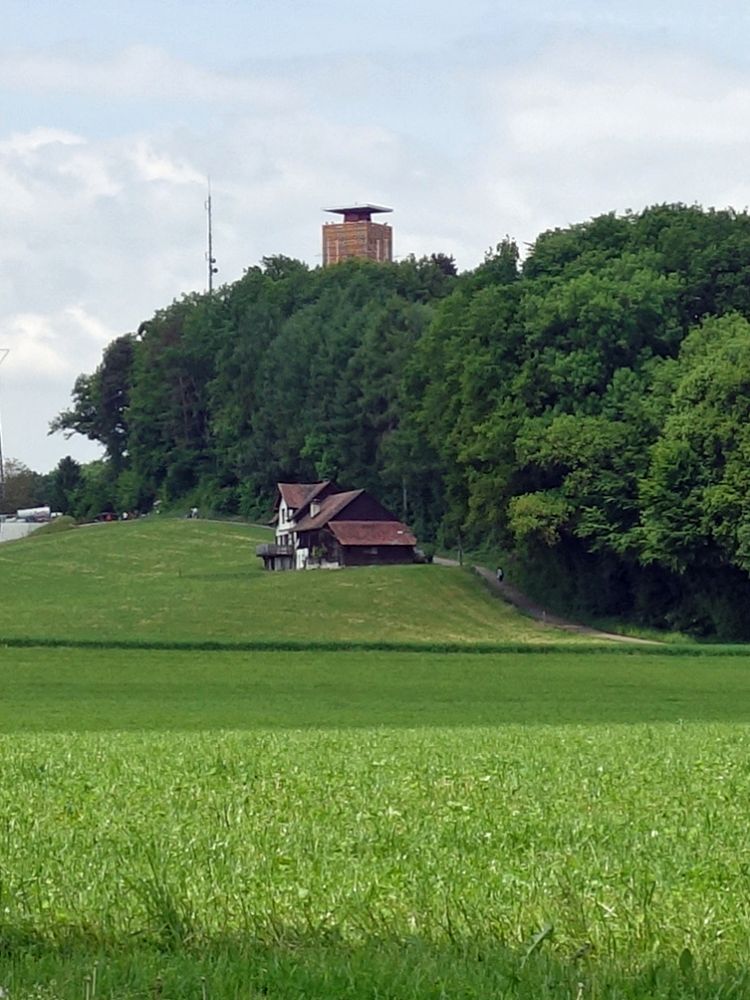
34, 514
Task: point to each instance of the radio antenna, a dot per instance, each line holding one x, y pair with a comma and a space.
210, 259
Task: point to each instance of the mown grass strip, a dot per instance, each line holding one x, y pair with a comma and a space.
90, 690
374, 646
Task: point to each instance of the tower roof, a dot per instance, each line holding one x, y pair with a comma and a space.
358, 213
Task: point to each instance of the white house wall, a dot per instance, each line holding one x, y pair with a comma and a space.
285, 526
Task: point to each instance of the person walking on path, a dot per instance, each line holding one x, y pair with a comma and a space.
499, 575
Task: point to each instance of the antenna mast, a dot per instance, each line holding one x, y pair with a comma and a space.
210, 259
4, 352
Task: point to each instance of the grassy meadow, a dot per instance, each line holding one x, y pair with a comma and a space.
245, 857
82, 690
563, 821
170, 580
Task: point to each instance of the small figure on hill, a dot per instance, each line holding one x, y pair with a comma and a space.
499, 575
194, 512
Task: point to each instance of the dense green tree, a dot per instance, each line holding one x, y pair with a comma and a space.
22, 487
101, 401
65, 485
696, 494
97, 491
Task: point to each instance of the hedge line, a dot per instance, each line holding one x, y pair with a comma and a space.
343, 646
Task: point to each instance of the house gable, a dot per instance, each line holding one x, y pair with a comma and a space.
296, 495
293, 501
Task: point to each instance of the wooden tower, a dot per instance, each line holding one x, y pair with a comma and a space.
357, 235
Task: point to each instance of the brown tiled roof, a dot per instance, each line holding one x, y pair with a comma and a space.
297, 494
330, 506
372, 533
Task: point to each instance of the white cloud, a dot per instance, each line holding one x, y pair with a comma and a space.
31, 339
593, 127
584, 98
139, 72
153, 165
46, 353
21, 143
91, 174
50, 347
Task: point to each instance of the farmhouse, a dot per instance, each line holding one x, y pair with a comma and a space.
320, 525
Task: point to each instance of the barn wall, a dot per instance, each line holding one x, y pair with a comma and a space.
362, 555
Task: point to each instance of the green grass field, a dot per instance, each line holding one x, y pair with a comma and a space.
73, 690
246, 857
562, 822
196, 580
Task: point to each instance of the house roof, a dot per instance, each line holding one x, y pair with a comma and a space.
297, 494
372, 533
329, 507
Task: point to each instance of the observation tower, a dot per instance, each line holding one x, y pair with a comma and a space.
357, 236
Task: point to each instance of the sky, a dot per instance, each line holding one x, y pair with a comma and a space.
472, 120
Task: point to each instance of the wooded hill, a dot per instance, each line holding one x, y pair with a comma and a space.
587, 408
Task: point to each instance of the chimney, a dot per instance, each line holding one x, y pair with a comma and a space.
314, 508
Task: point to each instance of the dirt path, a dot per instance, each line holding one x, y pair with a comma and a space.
519, 600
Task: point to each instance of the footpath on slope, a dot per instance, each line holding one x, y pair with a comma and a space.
525, 604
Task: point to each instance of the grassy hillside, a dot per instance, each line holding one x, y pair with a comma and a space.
164, 580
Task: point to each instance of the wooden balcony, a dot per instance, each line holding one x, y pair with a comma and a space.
270, 549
